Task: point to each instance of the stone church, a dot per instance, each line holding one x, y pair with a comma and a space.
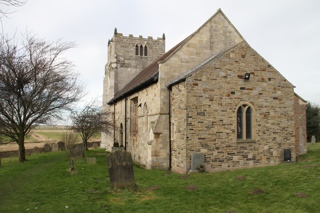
211, 99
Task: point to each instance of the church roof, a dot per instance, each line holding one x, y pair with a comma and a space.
146, 77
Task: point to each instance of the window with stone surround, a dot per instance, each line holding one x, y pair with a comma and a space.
141, 50
245, 122
145, 50
137, 49
134, 115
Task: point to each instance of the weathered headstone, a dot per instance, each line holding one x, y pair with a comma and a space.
47, 148
54, 147
61, 146
313, 139
36, 150
76, 151
197, 159
95, 145
91, 160
120, 169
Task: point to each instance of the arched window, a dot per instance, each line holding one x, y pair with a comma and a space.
137, 49
145, 50
141, 50
244, 122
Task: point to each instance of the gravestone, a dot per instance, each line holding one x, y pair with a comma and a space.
76, 151
91, 160
120, 169
47, 148
197, 159
313, 139
61, 146
54, 147
36, 150
95, 145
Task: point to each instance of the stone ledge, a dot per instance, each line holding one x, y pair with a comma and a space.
246, 141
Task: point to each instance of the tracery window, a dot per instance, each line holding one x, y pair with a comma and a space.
244, 122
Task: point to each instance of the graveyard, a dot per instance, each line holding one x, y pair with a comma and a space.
45, 183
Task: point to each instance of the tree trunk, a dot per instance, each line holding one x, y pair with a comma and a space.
85, 145
22, 150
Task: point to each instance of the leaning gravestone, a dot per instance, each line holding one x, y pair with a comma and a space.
61, 146
120, 169
47, 148
313, 139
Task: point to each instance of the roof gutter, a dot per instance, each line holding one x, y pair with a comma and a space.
146, 83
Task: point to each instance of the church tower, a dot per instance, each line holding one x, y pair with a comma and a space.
127, 56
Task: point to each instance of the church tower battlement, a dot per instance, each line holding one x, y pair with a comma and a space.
127, 56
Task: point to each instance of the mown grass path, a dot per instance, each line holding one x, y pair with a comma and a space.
43, 184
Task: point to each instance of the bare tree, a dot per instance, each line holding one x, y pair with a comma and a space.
36, 84
89, 121
10, 3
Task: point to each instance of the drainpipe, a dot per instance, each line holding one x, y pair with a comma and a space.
125, 124
170, 147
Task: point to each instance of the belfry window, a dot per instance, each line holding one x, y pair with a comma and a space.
141, 50
137, 50
145, 50
244, 122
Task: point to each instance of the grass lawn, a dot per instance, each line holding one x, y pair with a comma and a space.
43, 184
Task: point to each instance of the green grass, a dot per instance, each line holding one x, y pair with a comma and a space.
43, 184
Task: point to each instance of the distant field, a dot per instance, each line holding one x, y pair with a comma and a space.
47, 134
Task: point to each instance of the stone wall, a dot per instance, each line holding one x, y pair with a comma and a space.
213, 95
149, 146
300, 107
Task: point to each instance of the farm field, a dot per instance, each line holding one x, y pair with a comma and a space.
40, 136
44, 184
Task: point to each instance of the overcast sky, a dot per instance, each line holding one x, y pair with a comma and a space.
285, 32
